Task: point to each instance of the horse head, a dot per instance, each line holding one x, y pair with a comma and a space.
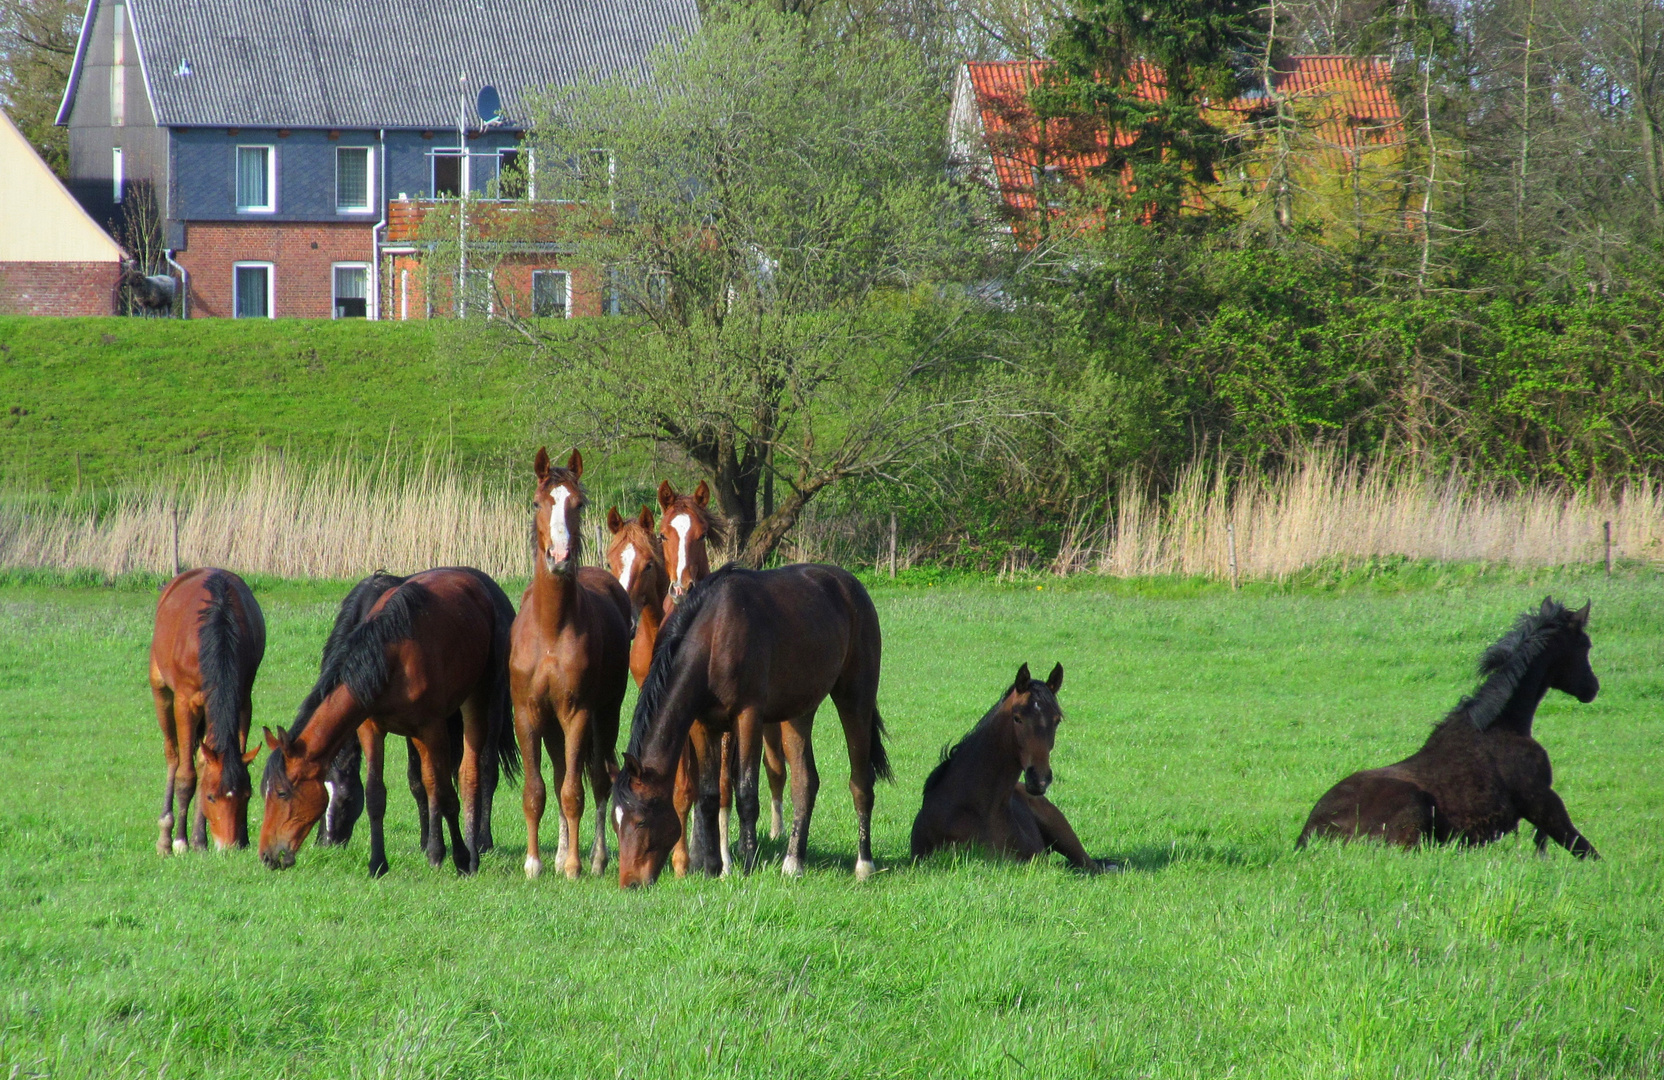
685, 527
559, 504
647, 824
225, 795
1035, 714
637, 561
295, 799
1572, 672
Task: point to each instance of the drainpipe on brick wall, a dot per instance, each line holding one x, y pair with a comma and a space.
184, 284
375, 233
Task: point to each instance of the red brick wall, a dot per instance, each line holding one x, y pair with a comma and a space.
59, 288
301, 254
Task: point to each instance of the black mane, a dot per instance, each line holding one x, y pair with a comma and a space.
979, 734
219, 653
352, 612
671, 636
1506, 662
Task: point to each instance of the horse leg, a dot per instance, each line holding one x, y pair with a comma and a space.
725, 801
1056, 832
707, 807
170, 750
490, 768
532, 793
748, 752
601, 785
1545, 810
373, 741
186, 728
855, 710
554, 740
572, 792
418, 788
800, 755
476, 713
430, 749
682, 794
774, 764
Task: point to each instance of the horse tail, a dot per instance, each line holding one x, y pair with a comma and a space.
219, 657
502, 702
876, 753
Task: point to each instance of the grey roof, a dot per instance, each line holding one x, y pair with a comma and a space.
370, 64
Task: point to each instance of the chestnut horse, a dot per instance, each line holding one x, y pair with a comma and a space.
973, 797
743, 649
684, 529
1480, 771
209, 640
568, 666
435, 643
637, 561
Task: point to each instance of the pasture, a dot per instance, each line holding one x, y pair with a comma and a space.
1200, 727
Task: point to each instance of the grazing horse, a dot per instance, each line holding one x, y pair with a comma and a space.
743, 649
1480, 771
637, 561
568, 666
433, 644
972, 796
686, 524
210, 638
345, 787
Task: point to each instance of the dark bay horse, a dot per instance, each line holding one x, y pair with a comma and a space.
972, 796
434, 644
568, 666
1480, 771
343, 781
636, 559
743, 649
209, 640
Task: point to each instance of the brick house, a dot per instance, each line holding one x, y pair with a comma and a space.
54, 259
291, 143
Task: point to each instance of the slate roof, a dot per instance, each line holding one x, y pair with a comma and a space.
371, 64
1346, 101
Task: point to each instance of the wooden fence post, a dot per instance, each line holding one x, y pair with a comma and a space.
892, 543
176, 540
1608, 549
77, 472
1230, 543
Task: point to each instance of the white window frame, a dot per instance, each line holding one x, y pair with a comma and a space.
271, 287
369, 206
567, 274
526, 160
369, 286
271, 178
118, 173
490, 294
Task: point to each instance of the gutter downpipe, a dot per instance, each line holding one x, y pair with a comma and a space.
381, 224
184, 284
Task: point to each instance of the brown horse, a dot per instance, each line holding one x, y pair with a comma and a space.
209, 640
1480, 771
434, 644
637, 561
973, 797
686, 525
568, 667
746, 648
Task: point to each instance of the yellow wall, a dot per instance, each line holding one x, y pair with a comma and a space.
40, 221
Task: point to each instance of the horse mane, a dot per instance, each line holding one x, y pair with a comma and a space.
1505, 663
671, 635
219, 655
978, 735
357, 659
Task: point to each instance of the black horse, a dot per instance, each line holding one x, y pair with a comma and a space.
343, 780
1480, 771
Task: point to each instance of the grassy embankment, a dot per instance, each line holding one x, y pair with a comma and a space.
1201, 726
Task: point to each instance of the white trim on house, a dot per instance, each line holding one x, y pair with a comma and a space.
118, 173
566, 306
271, 288
270, 206
335, 298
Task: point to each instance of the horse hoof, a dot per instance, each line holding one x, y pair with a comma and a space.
180, 847
791, 867
864, 869
378, 870
534, 867
572, 872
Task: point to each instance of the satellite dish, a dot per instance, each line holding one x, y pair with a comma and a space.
489, 106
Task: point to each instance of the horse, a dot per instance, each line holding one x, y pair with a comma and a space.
686, 524
972, 796
743, 649
435, 643
636, 559
1480, 771
568, 665
207, 646
343, 782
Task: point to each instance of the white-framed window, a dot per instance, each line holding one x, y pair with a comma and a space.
251, 290
118, 174
479, 295
351, 288
514, 174
551, 294
354, 179
448, 179
256, 179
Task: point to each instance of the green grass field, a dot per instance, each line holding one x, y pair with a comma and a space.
1201, 726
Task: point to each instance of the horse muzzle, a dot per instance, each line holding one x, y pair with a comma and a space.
1036, 784
278, 858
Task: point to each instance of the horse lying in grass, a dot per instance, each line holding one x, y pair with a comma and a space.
973, 797
207, 646
1480, 770
436, 643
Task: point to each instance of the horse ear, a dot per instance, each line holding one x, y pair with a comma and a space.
614, 521
1548, 606
646, 518
1581, 618
632, 764
541, 465
1055, 679
1023, 679
667, 494
275, 742
702, 493
575, 464
612, 772
248, 757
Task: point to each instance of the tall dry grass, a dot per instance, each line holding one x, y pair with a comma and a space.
340, 520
